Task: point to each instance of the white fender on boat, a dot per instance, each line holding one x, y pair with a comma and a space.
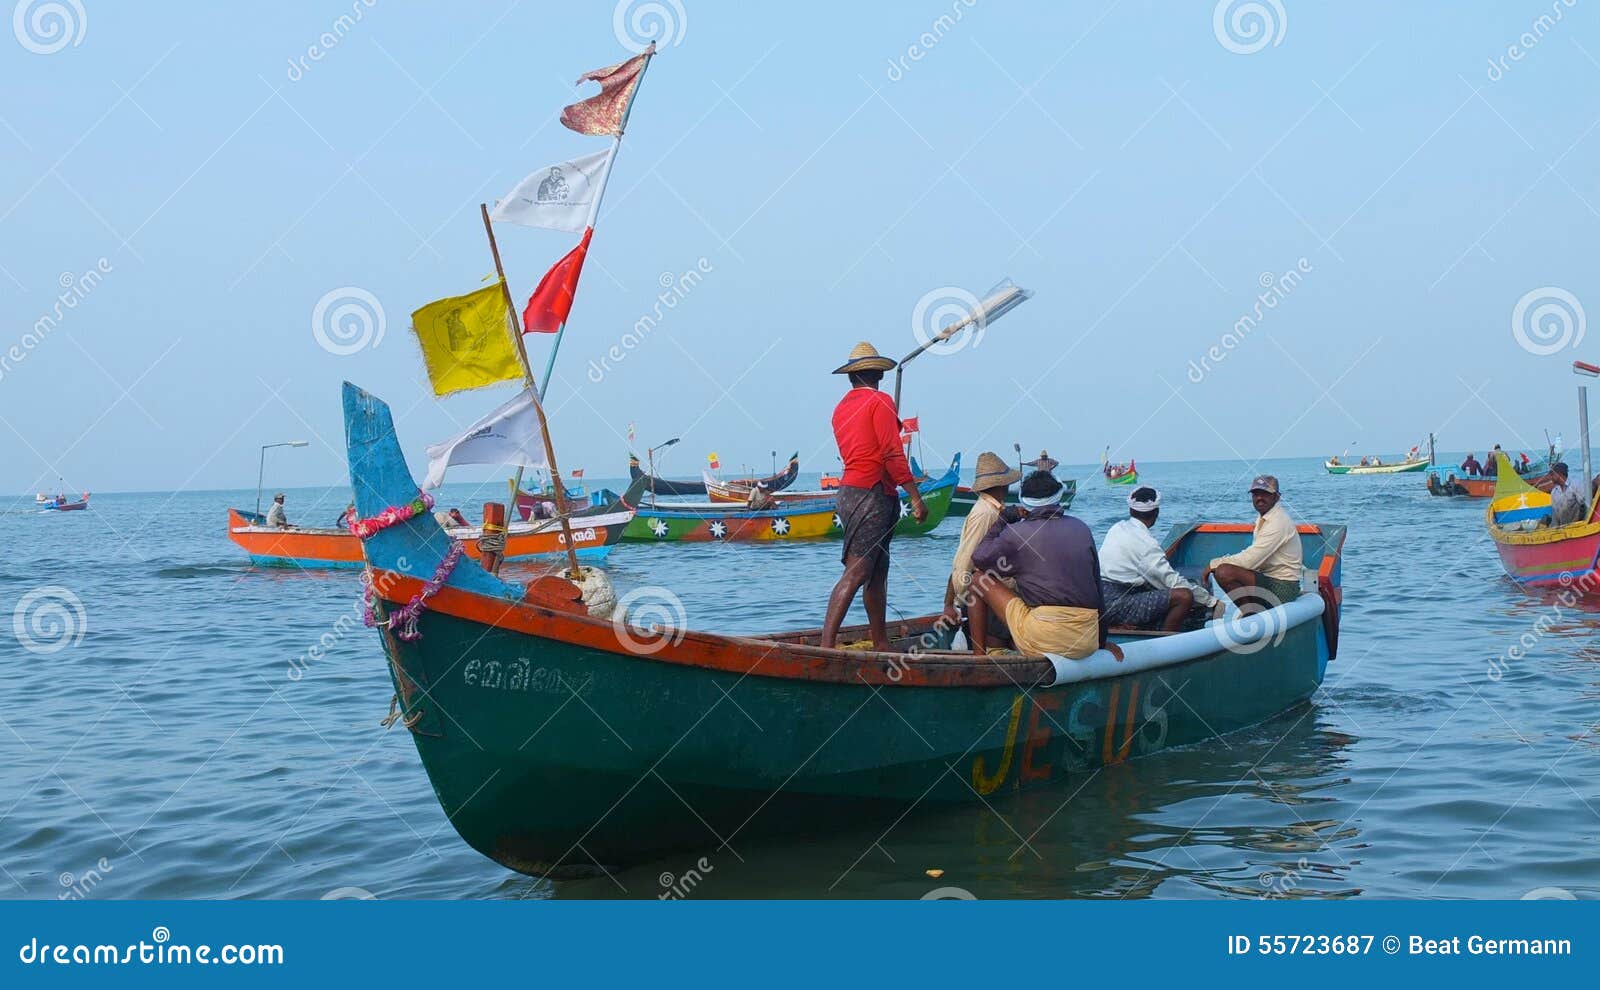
1234, 634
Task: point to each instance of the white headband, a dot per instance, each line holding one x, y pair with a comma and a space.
1039, 503
1153, 504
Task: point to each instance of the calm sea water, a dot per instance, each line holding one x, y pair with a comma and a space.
169, 754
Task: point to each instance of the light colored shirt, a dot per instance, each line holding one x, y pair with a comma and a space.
275, 516
973, 530
1275, 551
1567, 505
1131, 555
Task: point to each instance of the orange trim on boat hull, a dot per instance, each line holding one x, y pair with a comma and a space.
737, 655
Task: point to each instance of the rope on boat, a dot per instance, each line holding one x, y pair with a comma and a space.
493, 540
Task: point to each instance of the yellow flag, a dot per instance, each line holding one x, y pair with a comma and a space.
466, 341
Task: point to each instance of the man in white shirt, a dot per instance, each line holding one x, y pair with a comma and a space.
1567, 504
1266, 573
1140, 587
275, 516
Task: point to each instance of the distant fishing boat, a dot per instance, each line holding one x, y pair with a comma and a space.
542, 505
654, 758
1410, 464
811, 516
593, 536
664, 486
60, 504
1118, 474
740, 490
963, 501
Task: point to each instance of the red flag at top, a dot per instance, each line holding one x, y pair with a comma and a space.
910, 424
578, 473
606, 112
552, 300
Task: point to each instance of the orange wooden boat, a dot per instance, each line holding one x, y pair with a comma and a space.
312, 547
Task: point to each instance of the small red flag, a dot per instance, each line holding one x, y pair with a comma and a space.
552, 300
578, 473
910, 425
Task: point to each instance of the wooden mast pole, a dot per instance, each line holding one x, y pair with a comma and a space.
538, 407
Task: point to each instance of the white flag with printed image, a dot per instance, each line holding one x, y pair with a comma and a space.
561, 197
509, 435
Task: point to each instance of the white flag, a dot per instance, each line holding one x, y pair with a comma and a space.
561, 197
509, 435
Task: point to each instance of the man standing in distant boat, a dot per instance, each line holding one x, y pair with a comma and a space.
990, 481
275, 516
1057, 606
1139, 585
1470, 466
1266, 573
866, 426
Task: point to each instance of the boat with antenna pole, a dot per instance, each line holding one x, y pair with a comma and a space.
1535, 551
1118, 474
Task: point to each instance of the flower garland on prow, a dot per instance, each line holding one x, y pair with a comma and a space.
392, 515
403, 620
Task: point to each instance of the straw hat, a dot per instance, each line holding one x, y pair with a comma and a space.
864, 357
993, 472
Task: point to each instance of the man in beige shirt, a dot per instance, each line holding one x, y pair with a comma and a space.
992, 479
1267, 572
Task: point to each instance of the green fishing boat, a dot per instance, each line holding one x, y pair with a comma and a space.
685, 739
789, 519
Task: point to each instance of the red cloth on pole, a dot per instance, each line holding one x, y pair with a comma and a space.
551, 302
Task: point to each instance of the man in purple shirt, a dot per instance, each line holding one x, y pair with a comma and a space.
1057, 607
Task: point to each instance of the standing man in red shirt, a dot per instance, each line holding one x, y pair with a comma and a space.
867, 428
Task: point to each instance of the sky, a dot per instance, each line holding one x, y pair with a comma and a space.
1401, 199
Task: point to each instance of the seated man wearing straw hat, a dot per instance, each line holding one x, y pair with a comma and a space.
1140, 587
991, 480
867, 428
1057, 605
